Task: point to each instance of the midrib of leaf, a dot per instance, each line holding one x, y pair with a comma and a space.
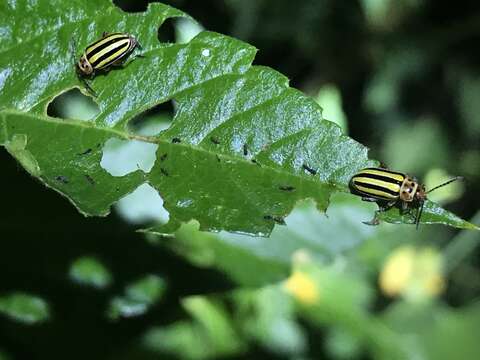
147, 139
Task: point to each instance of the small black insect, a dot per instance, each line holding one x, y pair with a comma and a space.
86, 152
90, 179
62, 179
278, 219
309, 169
215, 140
164, 172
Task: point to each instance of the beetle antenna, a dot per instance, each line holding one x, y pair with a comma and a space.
446, 183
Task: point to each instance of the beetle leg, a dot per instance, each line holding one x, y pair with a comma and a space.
369, 199
123, 61
387, 206
89, 87
381, 208
375, 221
405, 209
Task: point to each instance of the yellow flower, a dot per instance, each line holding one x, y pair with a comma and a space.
397, 271
301, 286
413, 273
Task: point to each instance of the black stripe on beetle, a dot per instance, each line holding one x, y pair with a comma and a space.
375, 187
378, 177
111, 57
106, 41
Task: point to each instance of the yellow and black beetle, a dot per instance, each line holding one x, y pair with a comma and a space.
111, 50
389, 188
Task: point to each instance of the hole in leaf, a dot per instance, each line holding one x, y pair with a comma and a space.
121, 157
142, 206
154, 120
186, 30
73, 105
132, 6
166, 31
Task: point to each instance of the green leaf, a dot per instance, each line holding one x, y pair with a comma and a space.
436, 331
4, 356
461, 246
432, 214
210, 334
89, 271
267, 315
243, 147
24, 308
138, 298
255, 261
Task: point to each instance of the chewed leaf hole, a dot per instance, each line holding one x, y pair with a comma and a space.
186, 30
73, 105
166, 31
132, 6
121, 157
142, 206
154, 120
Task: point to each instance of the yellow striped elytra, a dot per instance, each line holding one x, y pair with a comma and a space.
111, 50
389, 188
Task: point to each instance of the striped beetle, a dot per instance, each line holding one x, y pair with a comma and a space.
389, 188
111, 50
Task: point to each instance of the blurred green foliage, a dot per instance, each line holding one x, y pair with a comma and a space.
89, 271
25, 308
405, 74
138, 298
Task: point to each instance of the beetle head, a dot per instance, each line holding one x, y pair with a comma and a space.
84, 67
409, 189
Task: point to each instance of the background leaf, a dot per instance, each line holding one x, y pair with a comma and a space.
89, 271
24, 308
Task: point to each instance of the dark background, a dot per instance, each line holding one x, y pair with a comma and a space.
313, 43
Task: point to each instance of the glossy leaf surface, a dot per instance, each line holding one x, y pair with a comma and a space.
243, 147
